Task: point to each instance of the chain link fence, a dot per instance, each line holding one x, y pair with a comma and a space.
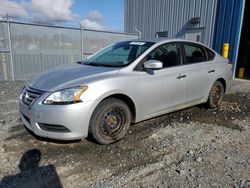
28, 49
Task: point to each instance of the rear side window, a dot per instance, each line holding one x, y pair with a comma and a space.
194, 53
210, 55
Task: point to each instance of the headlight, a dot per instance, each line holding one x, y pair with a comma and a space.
66, 96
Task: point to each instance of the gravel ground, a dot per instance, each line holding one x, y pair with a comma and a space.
195, 147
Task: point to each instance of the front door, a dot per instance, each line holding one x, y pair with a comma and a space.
164, 89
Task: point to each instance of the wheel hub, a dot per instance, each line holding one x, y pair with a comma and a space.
113, 122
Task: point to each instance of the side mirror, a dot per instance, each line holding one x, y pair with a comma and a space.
153, 64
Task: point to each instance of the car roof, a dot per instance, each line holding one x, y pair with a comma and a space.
160, 40
165, 40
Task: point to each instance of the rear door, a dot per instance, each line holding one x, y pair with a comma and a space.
200, 71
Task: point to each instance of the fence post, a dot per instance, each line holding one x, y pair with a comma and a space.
4, 66
10, 49
81, 33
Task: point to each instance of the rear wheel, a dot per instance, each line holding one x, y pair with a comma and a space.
216, 95
110, 121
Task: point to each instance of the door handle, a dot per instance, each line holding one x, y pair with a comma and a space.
211, 71
181, 76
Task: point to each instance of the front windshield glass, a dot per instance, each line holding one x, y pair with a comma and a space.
118, 55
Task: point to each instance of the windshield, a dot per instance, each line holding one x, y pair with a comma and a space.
118, 55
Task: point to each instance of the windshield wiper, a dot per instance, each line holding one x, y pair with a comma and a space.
80, 62
92, 64
98, 64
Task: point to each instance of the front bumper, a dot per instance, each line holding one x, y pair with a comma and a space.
74, 117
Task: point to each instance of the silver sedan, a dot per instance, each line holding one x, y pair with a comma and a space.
124, 83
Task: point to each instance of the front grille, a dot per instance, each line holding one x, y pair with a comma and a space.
30, 95
53, 128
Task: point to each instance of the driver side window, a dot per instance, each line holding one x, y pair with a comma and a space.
169, 54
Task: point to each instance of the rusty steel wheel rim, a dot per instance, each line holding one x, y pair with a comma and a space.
216, 94
113, 122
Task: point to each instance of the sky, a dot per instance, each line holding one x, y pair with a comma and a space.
91, 14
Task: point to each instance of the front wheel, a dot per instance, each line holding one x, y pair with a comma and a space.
216, 95
110, 121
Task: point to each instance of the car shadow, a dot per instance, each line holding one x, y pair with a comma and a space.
31, 174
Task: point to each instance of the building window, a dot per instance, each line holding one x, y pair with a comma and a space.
162, 34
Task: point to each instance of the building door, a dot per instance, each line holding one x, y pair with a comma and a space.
243, 63
194, 34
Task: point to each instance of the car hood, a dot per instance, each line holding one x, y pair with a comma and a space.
69, 76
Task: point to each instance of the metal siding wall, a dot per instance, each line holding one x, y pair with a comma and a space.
151, 16
228, 26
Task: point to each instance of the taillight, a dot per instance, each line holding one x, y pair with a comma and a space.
230, 64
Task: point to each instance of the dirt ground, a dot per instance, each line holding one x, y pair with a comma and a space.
195, 147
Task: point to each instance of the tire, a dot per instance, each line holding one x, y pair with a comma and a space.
216, 95
110, 121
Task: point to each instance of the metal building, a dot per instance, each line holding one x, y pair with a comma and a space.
212, 22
